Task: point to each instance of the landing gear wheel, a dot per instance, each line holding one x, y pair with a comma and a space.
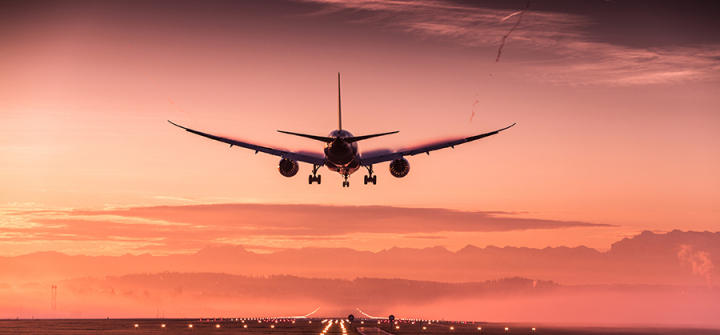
346, 184
370, 178
314, 177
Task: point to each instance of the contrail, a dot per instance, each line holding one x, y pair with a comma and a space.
161, 91
473, 112
520, 15
511, 15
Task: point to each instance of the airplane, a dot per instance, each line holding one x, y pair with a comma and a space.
341, 152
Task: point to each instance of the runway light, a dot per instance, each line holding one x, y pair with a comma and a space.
217, 326
452, 328
136, 325
190, 326
479, 328
397, 327
272, 326
245, 326
163, 325
362, 322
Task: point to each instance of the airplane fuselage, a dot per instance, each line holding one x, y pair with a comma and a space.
341, 156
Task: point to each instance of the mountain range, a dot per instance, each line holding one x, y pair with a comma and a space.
673, 258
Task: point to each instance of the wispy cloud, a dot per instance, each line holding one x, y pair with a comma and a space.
168, 229
570, 53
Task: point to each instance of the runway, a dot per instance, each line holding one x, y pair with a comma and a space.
370, 331
319, 326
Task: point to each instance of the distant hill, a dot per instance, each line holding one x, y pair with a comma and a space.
213, 295
674, 258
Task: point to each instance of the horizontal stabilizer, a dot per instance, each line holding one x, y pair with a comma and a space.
365, 137
317, 138
330, 139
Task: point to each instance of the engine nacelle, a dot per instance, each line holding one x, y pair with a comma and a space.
399, 168
288, 167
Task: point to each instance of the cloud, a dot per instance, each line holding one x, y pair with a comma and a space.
563, 47
319, 220
174, 228
699, 261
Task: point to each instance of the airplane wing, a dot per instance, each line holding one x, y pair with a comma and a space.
386, 157
275, 152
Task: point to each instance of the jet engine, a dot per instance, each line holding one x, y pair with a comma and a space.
288, 167
399, 168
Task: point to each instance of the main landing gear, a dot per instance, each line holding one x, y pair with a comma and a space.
370, 178
314, 177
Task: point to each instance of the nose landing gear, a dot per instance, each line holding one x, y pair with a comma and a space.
346, 183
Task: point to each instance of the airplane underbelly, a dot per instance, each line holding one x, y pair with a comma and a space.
344, 169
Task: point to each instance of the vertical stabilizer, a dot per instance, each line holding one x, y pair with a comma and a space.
339, 106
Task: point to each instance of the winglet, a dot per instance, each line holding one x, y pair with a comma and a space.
477, 137
176, 125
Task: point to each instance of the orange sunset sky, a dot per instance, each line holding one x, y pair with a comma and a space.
617, 109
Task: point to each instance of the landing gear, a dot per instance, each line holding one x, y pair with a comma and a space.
314, 177
346, 183
370, 178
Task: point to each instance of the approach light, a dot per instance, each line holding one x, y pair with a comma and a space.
245, 326
136, 325
163, 325
190, 326
452, 328
217, 326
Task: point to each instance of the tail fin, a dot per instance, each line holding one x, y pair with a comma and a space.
339, 106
